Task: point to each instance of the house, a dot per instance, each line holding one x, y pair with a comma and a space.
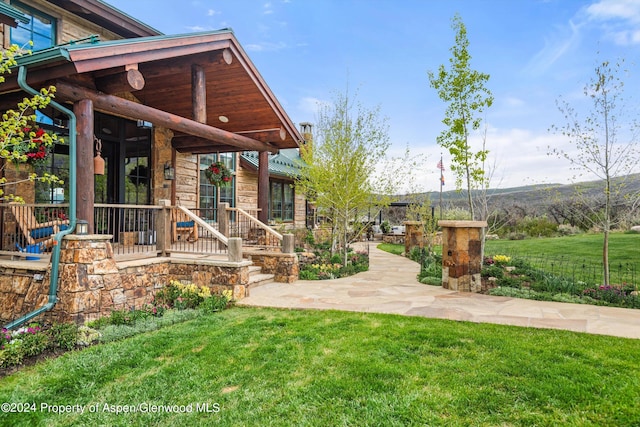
151, 113
154, 103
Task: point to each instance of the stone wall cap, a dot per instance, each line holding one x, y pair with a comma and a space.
92, 237
462, 224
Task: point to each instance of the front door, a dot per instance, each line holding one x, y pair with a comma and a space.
126, 149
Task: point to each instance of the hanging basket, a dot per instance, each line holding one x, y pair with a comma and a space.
218, 174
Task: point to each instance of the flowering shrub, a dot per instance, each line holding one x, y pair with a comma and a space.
20, 140
218, 174
181, 295
501, 259
328, 268
33, 340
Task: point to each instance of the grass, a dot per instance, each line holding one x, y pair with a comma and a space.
577, 257
623, 248
280, 367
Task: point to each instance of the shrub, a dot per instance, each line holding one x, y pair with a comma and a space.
181, 295
308, 275
492, 271
216, 303
87, 336
433, 281
63, 336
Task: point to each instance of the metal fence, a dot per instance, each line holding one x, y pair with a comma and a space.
134, 228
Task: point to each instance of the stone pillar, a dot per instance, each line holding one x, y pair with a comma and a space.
413, 235
462, 255
89, 281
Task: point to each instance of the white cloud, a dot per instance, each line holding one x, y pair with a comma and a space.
603, 10
620, 20
212, 12
310, 106
556, 46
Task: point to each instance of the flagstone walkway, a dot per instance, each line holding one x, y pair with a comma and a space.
390, 286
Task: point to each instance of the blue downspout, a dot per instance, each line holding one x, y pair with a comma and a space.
55, 253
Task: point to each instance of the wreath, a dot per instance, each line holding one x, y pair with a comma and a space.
218, 174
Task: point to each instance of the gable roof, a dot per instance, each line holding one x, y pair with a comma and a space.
108, 17
235, 91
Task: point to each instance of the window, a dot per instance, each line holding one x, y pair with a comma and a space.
208, 194
56, 163
281, 197
40, 29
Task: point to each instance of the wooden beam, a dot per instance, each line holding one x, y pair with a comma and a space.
266, 135
199, 93
127, 81
123, 107
263, 187
83, 110
196, 145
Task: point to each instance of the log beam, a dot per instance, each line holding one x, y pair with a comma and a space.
198, 94
115, 105
266, 135
83, 110
263, 187
127, 81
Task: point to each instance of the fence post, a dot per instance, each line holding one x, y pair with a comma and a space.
235, 249
163, 227
288, 244
223, 219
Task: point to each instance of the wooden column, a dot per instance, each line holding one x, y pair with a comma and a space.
199, 93
83, 110
263, 186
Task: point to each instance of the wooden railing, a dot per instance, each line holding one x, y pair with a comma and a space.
252, 231
29, 227
143, 230
134, 228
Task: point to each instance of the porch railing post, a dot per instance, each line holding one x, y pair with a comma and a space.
223, 218
288, 243
235, 249
163, 227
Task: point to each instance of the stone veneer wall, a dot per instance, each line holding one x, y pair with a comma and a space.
91, 284
284, 266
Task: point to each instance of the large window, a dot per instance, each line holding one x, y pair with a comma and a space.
56, 163
281, 198
208, 192
40, 29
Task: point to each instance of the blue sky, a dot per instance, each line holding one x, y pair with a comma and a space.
535, 51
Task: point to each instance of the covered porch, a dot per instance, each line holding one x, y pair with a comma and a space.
149, 108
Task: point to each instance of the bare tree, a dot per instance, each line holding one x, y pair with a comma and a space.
599, 149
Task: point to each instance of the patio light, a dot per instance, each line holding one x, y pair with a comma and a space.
169, 172
82, 227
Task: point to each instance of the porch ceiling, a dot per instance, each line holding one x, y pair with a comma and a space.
238, 100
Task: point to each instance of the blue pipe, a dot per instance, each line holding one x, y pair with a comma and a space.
55, 253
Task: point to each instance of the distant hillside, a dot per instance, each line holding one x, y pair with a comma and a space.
534, 197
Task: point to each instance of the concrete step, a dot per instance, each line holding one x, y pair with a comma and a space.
257, 278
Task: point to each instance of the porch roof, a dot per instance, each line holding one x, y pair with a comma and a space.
11, 16
285, 164
156, 72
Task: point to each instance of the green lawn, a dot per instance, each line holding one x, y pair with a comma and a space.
623, 248
285, 367
577, 257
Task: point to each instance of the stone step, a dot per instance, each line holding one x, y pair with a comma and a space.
257, 278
